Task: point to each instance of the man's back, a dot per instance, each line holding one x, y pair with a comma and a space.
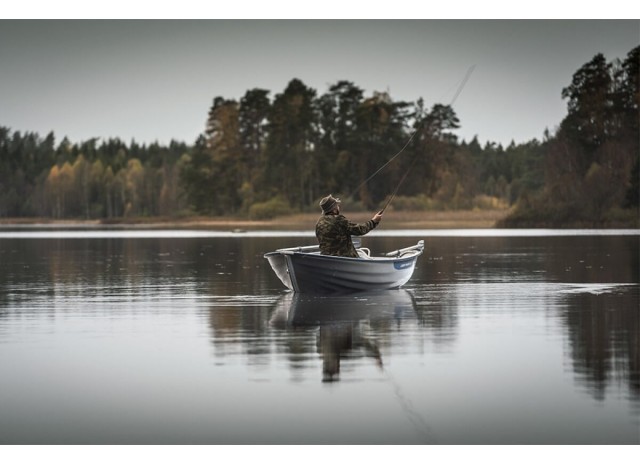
334, 234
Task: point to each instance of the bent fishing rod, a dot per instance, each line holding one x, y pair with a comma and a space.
418, 128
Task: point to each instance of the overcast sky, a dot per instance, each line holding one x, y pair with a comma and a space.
155, 80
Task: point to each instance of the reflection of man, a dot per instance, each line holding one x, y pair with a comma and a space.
334, 231
336, 340
333, 341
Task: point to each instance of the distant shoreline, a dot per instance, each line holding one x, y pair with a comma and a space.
455, 219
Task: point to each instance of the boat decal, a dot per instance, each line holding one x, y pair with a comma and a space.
402, 265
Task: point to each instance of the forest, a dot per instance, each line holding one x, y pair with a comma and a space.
262, 157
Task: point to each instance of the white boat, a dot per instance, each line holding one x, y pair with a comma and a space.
305, 270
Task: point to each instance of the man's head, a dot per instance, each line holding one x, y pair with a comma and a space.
329, 204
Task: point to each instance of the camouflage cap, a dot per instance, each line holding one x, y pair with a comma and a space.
328, 203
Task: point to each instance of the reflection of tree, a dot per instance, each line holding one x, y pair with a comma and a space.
603, 330
604, 338
437, 312
241, 330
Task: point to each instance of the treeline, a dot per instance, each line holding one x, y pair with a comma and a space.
591, 164
109, 179
262, 156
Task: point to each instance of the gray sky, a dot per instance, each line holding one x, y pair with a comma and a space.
155, 80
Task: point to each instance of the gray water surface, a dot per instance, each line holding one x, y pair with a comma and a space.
187, 337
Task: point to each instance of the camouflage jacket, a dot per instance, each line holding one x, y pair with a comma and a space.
334, 234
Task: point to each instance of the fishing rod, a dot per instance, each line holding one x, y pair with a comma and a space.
418, 128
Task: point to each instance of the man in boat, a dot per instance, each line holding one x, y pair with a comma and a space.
334, 231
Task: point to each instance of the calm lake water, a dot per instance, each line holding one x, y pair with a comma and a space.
187, 337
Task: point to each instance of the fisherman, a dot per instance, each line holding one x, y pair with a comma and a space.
334, 231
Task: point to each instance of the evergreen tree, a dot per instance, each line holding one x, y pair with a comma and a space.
197, 177
589, 109
629, 92
431, 155
338, 144
290, 165
223, 144
253, 120
380, 134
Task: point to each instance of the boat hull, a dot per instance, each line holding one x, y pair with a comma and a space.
307, 271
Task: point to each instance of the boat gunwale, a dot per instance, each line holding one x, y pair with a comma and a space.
337, 258
408, 254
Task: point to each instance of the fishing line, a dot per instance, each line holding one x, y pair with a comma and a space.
462, 84
383, 166
410, 411
412, 414
400, 183
418, 128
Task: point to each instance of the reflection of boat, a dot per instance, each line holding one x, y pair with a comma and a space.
343, 322
304, 269
294, 310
